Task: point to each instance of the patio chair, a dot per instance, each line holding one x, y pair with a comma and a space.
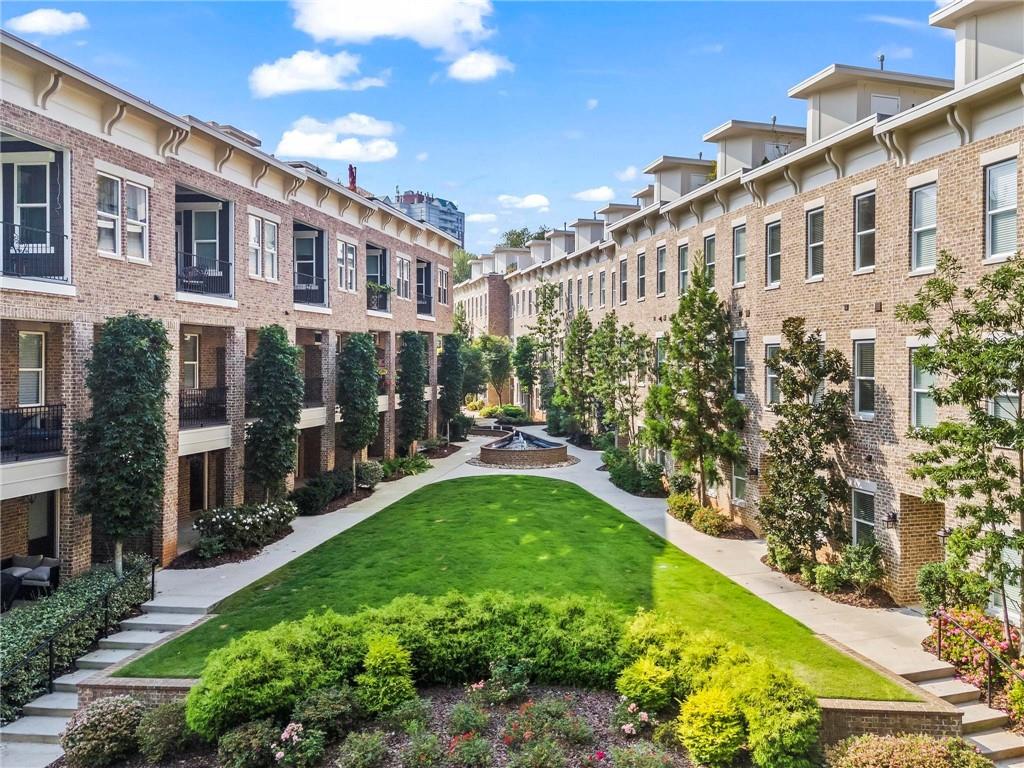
9, 587
44, 578
20, 566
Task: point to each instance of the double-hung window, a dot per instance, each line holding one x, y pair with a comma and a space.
739, 479
660, 255
641, 275
108, 215
32, 203
136, 214
402, 279
347, 266
205, 239
922, 402
442, 286
590, 291
1001, 209
602, 288
623, 282
683, 254
255, 246
31, 368
190, 361
773, 254
923, 226
772, 394
863, 506
263, 248
739, 367
709, 258
864, 231
739, 255
1007, 404
816, 243
864, 378
560, 292
579, 293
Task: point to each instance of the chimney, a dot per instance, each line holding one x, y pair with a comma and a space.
352, 177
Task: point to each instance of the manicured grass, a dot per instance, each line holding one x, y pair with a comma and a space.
519, 534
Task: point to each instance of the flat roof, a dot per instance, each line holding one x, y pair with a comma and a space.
674, 161
743, 127
840, 74
948, 15
618, 208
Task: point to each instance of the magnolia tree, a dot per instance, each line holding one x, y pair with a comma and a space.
357, 379
621, 360
975, 457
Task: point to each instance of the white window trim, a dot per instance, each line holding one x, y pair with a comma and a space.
857, 378
863, 334
1002, 255
641, 275
41, 370
739, 500
143, 225
623, 286
269, 255
602, 285
913, 392
809, 274
769, 374
112, 221
739, 364
860, 269
858, 487
769, 255
44, 205
216, 237
194, 363
684, 267
736, 257
915, 268
110, 169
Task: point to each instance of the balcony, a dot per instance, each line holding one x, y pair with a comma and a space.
424, 304
35, 254
30, 432
203, 277
377, 300
382, 383
310, 289
313, 392
202, 407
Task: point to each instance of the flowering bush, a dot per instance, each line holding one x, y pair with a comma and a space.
424, 751
597, 759
963, 653
550, 717
103, 732
163, 732
906, 751
247, 526
248, 746
631, 720
469, 750
297, 747
508, 681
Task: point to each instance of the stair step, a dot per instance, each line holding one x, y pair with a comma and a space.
952, 690
997, 744
196, 606
103, 658
932, 669
1012, 762
53, 705
23, 754
981, 717
35, 729
159, 622
69, 683
132, 639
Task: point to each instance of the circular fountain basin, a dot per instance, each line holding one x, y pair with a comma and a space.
522, 450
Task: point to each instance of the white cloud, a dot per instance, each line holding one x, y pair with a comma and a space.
421, 156
708, 48
493, 230
626, 174
478, 65
312, 138
896, 52
592, 103
311, 71
896, 21
48, 21
601, 194
533, 200
483, 218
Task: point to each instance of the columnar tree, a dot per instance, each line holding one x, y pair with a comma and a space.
975, 458
461, 268
524, 360
277, 390
474, 374
692, 411
450, 376
805, 495
120, 450
497, 357
412, 378
575, 376
547, 330
357, 394
460, 323
621, 360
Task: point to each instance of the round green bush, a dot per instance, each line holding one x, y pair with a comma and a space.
163, 732
103, 732
906, 751
682, 506
467, 718
782, 715
828, 578
782, 556
387, 677
333, 711
705, 655
248, 746
490, 411
369, 474
709, 521
710, 727
646, 683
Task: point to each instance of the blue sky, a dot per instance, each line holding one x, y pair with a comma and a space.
510, 109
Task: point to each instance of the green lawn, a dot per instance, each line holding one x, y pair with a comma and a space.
519, 534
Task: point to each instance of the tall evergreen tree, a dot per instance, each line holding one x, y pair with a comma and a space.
357, 394
575, 376
412, 378
474, 375
621, 360
524, 360
692, 411
120, 450
450, 376
460, 324
548, 331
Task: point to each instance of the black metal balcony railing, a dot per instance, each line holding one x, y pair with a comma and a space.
34, 253
379, 301
31, 431
202, 407
424, 304
310, 289
313, 391
198, 275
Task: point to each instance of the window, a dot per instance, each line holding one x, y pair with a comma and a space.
136, 214
772, 394
884, 105
579, 293
661, 280
590, 291
108, 215
684, 267
402, 279
739, 479
347, 266
1001, 209
816, 243
31, 368
773, 253
863, 505
641, 275
623, 281
255, 246
923, 227
32, 203
922, 404
864, 378
442, 286
190, 361
270, 250
1007, 404
602, 288
739, 255
709, 258
263, 248
864, 231
205, 228
739, 367
773, 150
560, 291
660, 355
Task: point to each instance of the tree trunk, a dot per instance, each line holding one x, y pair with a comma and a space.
118, 557
353, 471
703, 496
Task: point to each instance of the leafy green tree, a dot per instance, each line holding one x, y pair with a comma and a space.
524, 360
277, 391
474, 373
450, 376
518, 238
460, 323
120, 450
412, 378
975, 458
692, 411
805, 496
357, 394
621, 360
575, 377
547, 331
461, 269
497, 357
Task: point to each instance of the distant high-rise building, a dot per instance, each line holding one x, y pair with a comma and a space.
443, 214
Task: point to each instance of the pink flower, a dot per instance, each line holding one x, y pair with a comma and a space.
628, 729
279, 756
599, 755
632, 707
644, 717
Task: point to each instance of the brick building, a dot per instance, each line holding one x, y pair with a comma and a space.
111, 204
838, 222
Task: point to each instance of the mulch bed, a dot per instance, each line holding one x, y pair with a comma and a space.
739, 532
875, 597
188, 561
442, 451
349, 498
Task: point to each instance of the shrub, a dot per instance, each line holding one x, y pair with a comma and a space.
704, 655
648, 631
363, 750
1015, 700
321, 490
387, 679
682, 482
424, 751
332, 711
400, 466
631, 720
710, 726
209, 546
489, 412
248, 526
298, 747
102, 733
475, 405
459, 427
960, 651
945, 584
861, 565
709, 521
782, 556
625, 474
646, 683
544, 753
651, 484
469, 750
828, 578
163, 732
906, 751
682, 506
640, 754
782, 715
466, 717
248, 746
510, 411
508, 681
549, 717
603, 441
368, 474
410, 716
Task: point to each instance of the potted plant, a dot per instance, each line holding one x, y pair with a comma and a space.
374, 292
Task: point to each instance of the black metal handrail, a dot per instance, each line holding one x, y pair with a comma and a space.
941, 617
377, 300
313, 391
29, 431
34, 253
424, 304
309, 289
202, 407
197, 274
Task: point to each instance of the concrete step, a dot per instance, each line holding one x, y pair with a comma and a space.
927, 669
24, 754
180, 604
980, 717
132, 639
69, 683
103, 658
1012, 762
34, 729
159, 622
952, 690
53, 705
997, 744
